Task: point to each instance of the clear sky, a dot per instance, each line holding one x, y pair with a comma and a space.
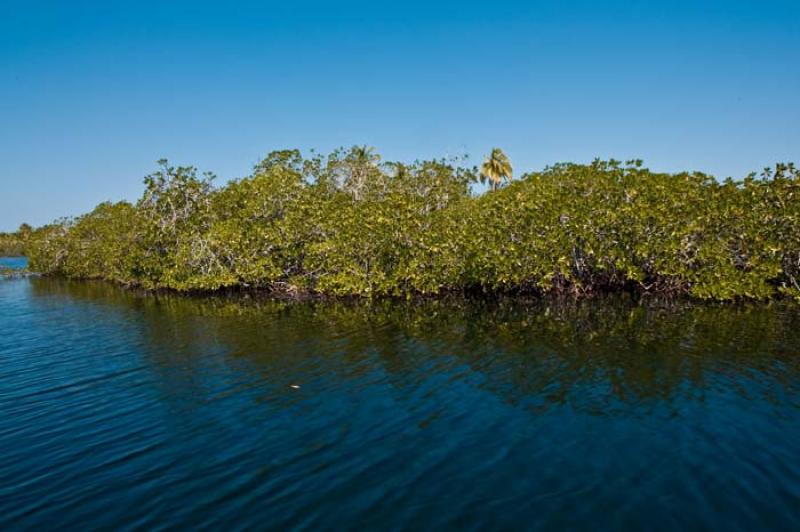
93, 93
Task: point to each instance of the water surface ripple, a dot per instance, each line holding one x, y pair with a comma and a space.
133, 412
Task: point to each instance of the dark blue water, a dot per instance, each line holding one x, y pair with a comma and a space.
121, 410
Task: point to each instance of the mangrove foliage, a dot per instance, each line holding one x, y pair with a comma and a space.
13, 244
350, 224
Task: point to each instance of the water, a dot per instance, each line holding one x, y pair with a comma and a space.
15, 263
120, 410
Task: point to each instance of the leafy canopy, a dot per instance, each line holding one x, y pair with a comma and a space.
348, 223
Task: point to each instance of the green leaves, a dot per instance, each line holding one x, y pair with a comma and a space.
13, 244
347, 224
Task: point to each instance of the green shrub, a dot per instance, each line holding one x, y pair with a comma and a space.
347, 224
15, 244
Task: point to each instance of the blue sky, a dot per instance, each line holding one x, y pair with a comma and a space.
93, 93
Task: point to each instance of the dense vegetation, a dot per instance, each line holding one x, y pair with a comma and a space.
13, 244
347, 224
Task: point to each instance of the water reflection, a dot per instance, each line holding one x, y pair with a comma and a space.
594, 356
134, 410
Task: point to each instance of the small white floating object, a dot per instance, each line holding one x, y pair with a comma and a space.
295, 386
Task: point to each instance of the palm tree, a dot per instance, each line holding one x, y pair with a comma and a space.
495, 168
361, 160
401, 170
364, 155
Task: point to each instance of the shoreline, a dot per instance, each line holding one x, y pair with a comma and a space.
244, 293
